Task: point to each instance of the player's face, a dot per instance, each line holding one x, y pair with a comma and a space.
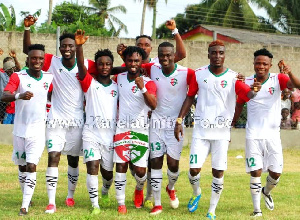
216, 55
67, 48
145, 44
166, 56
36, 60
262, 65
133, 63
104, 66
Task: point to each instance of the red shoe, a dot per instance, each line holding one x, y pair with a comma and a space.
50, 209
156, 210
138, 198
122, 209
70, 202
174, 202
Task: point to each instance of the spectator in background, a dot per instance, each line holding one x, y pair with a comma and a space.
296, 112
286, 122
286, 99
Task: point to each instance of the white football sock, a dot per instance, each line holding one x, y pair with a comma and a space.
51, 183
156, 181
255, 189
140, 181
270, 184
28, 189
106, 185
149, 187
172, 179
195, 182
73, 174
120, 185
92, 187
22, 179
216, 190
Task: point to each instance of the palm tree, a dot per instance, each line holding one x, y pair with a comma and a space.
152, 4
7, 19
50, 12
102, 9
143, 16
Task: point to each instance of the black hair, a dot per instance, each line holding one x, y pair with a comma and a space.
143, 36
8, 59
165, 44
105, 52
66, 35
36, 47
263, 52
285, 109
133, 49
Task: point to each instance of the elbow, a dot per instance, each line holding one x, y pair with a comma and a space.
153, 105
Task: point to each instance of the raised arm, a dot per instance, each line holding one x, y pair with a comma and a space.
180, 52
294, 81
80, 39
13, 54
28, 21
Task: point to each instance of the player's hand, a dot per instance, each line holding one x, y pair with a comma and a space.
281, 65
121, 48
13, 54
1, 51
144, 72
80, 39
171, 24
26, 95
287, 69
240, 77
29, 20
139, 81
178, 130
256, 86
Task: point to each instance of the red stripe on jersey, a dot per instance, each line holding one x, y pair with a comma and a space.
13, 83
193, 85
190, 75
47, 61
147, 67
241, 90
151, 87
50, 88
86, 82
283, 80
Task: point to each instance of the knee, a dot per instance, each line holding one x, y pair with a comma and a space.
217, 173
31, 167
194, 171
157, 163
140, 171
53, 159
275, 176
73, 161
108, 175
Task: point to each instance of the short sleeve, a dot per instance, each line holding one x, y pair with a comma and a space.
192, 83
241, 90
47, 61
50, 88
147, 67
13, 83
92, 67
86, 82
190, 75
151, 87
283, 80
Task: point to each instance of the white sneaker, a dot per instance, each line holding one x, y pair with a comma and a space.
268, 200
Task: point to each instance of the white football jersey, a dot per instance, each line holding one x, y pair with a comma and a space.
264, 110
30, 115
67, 96
215, 102
171, 93
101, 110
133, 111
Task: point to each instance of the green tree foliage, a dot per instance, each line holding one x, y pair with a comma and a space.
102, 10
227, 13
7, 18
70, 17
287, 15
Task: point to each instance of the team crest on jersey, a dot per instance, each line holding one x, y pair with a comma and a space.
29, 85
174, 81
131, 146
271, 90
113, 93
223, 83
134, 89
46, 86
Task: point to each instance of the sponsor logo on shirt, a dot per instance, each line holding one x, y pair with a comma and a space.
134, 89
46, 86
174, 81
223, 83
113, 93
271, 90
